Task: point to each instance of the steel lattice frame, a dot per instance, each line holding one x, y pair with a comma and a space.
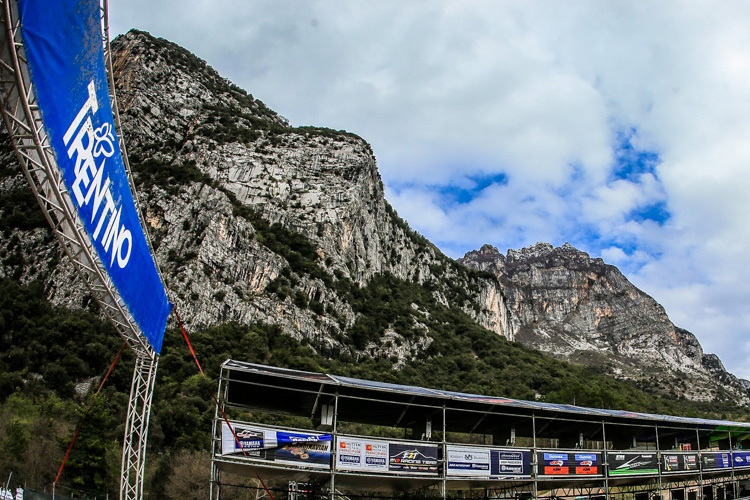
23, 122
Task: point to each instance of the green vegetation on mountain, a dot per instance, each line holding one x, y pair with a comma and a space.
45, 351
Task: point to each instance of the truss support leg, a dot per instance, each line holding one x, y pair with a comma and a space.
136, 427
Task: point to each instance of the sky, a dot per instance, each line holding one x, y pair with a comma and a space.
621, 127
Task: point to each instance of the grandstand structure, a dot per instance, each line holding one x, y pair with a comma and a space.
353, 438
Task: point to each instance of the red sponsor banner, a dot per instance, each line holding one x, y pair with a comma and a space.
586, 471
556, 471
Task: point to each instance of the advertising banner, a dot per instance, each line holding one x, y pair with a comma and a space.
470, 461
716, 460
63, 46
357, 454
295, 448
569, 463
678, 462
467, 461
515, 463
740, 459
628, 463
413, 458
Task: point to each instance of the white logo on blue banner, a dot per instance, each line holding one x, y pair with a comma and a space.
63, 46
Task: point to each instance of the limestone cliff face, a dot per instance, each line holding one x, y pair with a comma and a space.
583, 310
252, 220
225, 183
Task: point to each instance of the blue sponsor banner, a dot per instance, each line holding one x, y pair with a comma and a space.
296, 448
716, 460
510, 463
63, 45
285, 438
565, 463
740, 459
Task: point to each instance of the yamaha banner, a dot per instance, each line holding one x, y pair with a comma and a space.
63, 45
361, 454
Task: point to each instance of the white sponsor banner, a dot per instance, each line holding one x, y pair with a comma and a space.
466, 461
358, 454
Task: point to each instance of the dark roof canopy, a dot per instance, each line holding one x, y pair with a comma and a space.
377, 403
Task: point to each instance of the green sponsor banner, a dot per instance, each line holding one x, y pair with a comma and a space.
624, 463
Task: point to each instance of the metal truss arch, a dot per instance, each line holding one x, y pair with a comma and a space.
23, 121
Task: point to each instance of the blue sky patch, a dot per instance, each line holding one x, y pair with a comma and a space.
630, 163
656, 212
474, 185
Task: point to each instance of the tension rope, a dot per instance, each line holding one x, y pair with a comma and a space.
213, 396
86, 413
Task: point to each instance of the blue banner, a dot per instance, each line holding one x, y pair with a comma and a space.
740, 459
296, 448
716, 460
63, 44
510, 463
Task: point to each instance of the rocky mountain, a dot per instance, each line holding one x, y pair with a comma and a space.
254, 220
580, 309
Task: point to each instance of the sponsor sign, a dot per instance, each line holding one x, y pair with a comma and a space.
569, 463
358, 454
63, 46
716, 460
628, 463
295, 448
466, 461
486, 462
516, 463
678, 462
741, 459
413, 458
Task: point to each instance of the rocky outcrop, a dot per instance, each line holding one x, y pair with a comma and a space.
583, 310
252, 220
255, 220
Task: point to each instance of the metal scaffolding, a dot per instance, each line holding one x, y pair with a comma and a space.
570, 452
23, 121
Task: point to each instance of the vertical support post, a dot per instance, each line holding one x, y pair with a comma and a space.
605, 460
731, 461
658, 461
445, 455
215, 484
699, 464
534, 464
136, 426
334, 434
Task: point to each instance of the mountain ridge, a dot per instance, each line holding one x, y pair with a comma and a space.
254, 220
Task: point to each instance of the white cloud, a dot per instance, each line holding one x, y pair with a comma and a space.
449, 93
